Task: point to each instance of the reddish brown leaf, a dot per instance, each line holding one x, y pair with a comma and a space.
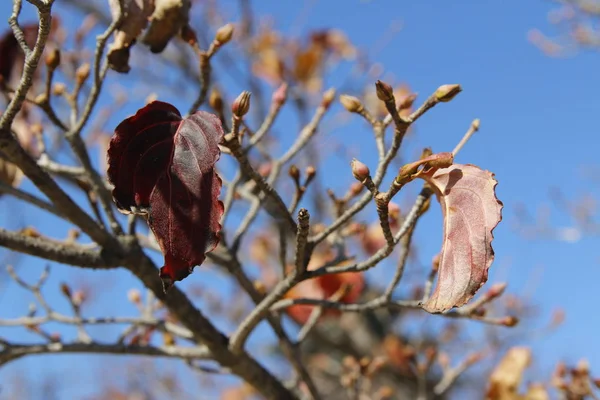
471, 211
162, 166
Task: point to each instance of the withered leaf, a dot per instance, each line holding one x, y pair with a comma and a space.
471, 212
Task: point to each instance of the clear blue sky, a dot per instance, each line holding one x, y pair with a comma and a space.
538, 129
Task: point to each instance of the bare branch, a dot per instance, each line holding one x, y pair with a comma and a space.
72, 254
13, 351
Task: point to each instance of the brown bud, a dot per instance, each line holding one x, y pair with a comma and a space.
55, 337
215, 100
479, 312
510, 321
384, 91
280, 95
65, 289
310, 173
168, 339
496, 290
351, 103
241, 105
328, 97
294, 173
31, 232
41, 98
446, 93
58, 89
435, 262
475, 124
473, 358
79, 297
260, 287
53, 59
406, 172
408, 101
359, 170
82, 73
355, 189
224, 34
134, 296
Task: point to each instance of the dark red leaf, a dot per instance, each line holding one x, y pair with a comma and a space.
163, 167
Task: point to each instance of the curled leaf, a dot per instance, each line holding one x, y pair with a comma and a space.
471, 212
136, 17
162, 166
167, 20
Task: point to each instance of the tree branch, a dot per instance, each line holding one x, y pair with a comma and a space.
14, 351
72, 254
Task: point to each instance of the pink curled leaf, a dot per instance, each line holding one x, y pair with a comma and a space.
471, 212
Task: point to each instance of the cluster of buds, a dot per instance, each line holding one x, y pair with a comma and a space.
575, 382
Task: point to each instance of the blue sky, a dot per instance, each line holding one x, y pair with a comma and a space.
538, 130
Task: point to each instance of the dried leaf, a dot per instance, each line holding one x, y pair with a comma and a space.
162, 166
167, 20
471, 212
506, 378
137, 13
536, 391
9, 173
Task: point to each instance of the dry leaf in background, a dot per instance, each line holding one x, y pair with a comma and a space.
168, 18
508, 374
135, 21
